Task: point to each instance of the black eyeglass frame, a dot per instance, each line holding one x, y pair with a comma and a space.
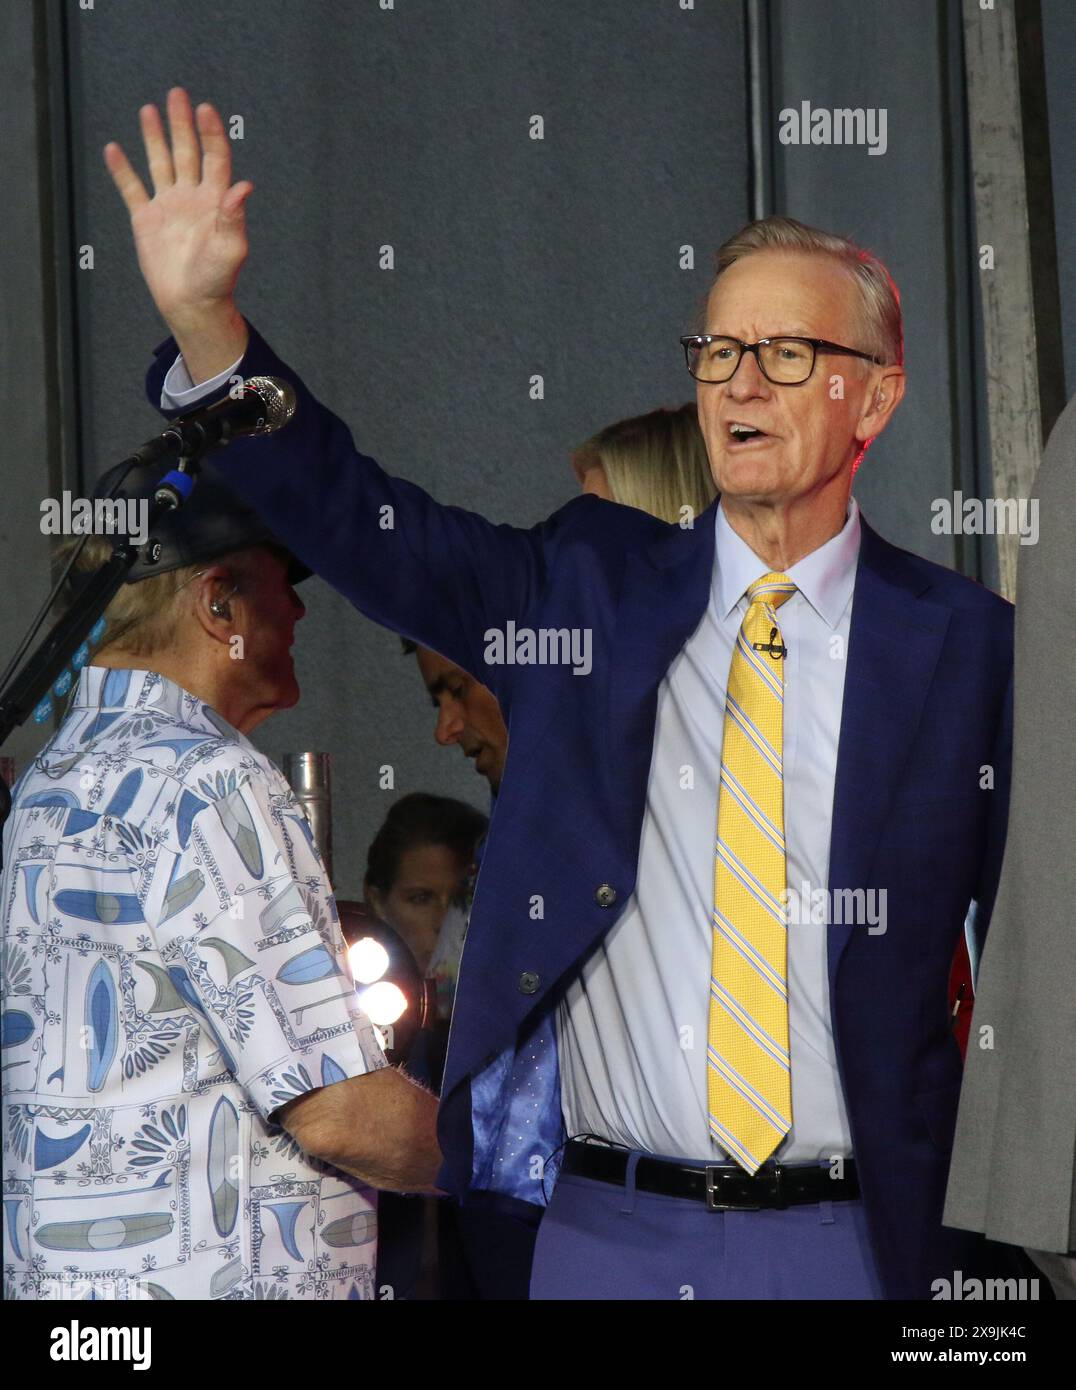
816, 345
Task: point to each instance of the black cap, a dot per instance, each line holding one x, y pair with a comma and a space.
212, 522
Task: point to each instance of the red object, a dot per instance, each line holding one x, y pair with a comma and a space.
961, 995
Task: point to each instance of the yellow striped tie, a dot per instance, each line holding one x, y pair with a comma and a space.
749, 1074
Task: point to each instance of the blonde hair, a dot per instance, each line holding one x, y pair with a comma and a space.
142, 618
880, 323
656, 462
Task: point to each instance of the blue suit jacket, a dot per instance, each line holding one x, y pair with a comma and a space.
927, 708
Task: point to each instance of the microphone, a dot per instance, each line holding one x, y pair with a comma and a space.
777, 650
265, 405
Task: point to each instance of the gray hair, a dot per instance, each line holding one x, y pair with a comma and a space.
880, 321
142, 618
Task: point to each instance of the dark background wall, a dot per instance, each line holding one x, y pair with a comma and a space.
911, 205
513, 257
409, 127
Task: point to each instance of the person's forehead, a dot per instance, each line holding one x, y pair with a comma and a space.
772, 292
422, 860
437, 669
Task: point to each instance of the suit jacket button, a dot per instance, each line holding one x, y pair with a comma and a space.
529, 982
606, 895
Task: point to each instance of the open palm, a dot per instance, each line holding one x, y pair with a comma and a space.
191, 235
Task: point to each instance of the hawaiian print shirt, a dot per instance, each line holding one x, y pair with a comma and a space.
173, 973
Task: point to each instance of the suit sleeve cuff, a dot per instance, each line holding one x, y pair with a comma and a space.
179, 393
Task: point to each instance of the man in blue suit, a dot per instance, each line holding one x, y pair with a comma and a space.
757, 779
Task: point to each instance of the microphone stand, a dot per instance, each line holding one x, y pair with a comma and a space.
28, 687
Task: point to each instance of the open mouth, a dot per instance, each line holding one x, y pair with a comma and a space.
739, 434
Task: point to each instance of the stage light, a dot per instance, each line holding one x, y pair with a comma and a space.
389, 987
369, 960
383, 1002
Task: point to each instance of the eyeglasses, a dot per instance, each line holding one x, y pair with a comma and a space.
784, 361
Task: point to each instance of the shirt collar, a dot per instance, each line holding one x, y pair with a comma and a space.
108, 688
825, 577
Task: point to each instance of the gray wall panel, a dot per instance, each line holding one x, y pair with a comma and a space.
32, 463
869, 53
409, 127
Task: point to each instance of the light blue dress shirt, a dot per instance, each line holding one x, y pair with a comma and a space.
632, 1028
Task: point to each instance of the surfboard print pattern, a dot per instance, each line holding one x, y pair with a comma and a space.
168, 935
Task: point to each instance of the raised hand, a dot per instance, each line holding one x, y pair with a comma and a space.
191, 235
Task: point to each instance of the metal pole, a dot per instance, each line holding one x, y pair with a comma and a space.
1001, 126
310, 776
760, 195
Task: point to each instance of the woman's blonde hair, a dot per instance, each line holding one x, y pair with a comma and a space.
656, 462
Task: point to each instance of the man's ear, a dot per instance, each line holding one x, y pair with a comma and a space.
212, 607
880, 402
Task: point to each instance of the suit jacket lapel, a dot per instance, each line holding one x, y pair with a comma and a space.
894, 643
665, 590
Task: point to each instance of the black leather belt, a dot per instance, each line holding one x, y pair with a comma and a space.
722, 1186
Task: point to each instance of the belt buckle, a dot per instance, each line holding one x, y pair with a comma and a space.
712, 1204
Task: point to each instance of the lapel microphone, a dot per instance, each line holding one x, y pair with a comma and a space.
777, 650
